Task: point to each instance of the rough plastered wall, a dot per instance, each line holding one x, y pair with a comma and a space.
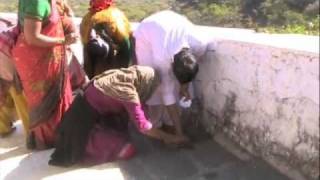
265, 98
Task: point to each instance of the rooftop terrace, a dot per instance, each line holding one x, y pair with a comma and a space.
256, 117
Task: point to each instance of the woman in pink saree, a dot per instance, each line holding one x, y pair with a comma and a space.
40, 60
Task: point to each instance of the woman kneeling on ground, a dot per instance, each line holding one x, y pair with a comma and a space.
94, 129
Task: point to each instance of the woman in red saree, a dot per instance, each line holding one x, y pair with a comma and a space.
40, 60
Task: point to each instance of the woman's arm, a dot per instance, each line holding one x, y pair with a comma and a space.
32, 32
136, 113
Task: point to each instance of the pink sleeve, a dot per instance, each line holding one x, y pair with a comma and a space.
137, 115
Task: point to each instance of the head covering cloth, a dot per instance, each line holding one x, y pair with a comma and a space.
134, 84
111, 24
99, 5
103, 12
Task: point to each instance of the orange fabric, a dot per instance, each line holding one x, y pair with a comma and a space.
39, 69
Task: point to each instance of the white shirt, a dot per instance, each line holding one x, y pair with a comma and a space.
158, 38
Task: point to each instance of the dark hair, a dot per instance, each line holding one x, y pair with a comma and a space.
97, 55
96, 47
185, 66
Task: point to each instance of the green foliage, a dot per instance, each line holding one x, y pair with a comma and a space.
222, 13
276, 16
8, 7
311, 28
299, 5
273, 11
136, 11
279, 16
213, 13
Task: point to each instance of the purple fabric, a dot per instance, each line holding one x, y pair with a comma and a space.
103, 146
105, 143
107, 105
103, 104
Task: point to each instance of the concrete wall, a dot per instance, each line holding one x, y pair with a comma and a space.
263, 92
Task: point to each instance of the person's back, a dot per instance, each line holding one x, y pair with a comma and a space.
169, 42
165, 32
167, 20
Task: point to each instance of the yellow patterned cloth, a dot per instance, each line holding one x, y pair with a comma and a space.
114, 20
12, 103
114, 28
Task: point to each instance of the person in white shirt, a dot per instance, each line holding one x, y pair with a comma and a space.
167, 42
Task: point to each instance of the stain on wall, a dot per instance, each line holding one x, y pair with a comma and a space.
266, 99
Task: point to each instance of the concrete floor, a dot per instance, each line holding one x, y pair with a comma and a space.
205, 161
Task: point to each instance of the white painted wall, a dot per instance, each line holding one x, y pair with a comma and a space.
263, 91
